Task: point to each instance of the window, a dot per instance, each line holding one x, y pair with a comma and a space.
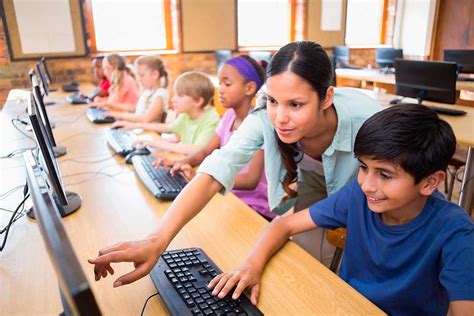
130, 25
264, 23
364, 22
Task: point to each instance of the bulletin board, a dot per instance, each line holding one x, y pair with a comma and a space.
208, 25
35, 29
327, 22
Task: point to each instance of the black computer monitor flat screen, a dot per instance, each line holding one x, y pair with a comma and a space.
44, 82
46, 149
464, 58
41, 108
426, 80
46, 70
76, 294
341, 54
385, 57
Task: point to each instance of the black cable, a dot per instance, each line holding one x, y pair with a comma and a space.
18, 129
13, 219
143, 309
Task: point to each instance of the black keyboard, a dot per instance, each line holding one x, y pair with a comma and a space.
181, 277
161, 183
77, 99
465, 79
96, 115
446, 111
121, 141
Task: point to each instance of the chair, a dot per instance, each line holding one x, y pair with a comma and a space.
337, 238
457, 161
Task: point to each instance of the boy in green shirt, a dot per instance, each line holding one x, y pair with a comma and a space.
195, 123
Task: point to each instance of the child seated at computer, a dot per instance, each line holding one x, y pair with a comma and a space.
100, 80
240, 78
195, 123
123, 92
408, 249
153, 102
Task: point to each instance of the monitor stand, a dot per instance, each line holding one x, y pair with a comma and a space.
59, 151
74, 202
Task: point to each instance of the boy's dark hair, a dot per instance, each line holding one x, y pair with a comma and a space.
309, 61
410, 135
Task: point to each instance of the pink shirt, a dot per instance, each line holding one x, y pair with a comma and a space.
257, 198
126, 93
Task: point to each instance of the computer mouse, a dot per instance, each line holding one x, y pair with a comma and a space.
136, 151
395, 101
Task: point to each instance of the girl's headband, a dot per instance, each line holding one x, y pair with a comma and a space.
246, 69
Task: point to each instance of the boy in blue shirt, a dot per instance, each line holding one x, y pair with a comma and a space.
408, 249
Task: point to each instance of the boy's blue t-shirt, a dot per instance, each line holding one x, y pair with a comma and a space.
411, 269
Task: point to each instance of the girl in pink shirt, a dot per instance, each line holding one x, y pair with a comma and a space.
123, 93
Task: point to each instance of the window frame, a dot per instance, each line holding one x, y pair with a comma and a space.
90, 27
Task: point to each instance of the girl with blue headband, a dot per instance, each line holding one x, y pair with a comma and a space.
307, 128
239, 80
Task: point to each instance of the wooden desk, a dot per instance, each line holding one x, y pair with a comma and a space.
117, 208
463, 127
388, 79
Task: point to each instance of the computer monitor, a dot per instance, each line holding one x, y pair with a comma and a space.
222, 56
426, 80
67, 202
46, 71
76, 294
385, 57
42, 76
341, 55
464, 58
41, 110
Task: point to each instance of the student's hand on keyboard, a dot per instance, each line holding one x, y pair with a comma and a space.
167, 163
123, 125
115, 114
246, 276
143, 253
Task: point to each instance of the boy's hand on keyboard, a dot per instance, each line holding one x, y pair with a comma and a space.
143, 253
246, 276
123, 125
167, 163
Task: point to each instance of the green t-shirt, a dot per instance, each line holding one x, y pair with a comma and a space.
196, 132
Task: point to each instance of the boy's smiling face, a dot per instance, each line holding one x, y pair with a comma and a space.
392, 192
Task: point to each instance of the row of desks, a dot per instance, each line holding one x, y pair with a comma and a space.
117, 207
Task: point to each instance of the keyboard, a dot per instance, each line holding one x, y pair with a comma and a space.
460, 78
121, 141
96, 115
181, 277
71, 87
159, 182
445, 111
77, 99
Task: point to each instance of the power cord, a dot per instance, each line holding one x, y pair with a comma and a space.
144, 306
16, 152
17, 214
9, 192
88, 161
14, 120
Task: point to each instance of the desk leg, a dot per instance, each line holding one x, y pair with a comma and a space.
467, 185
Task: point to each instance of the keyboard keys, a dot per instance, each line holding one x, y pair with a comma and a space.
191, 286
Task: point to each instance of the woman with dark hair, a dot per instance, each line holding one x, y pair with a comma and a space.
307, 129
